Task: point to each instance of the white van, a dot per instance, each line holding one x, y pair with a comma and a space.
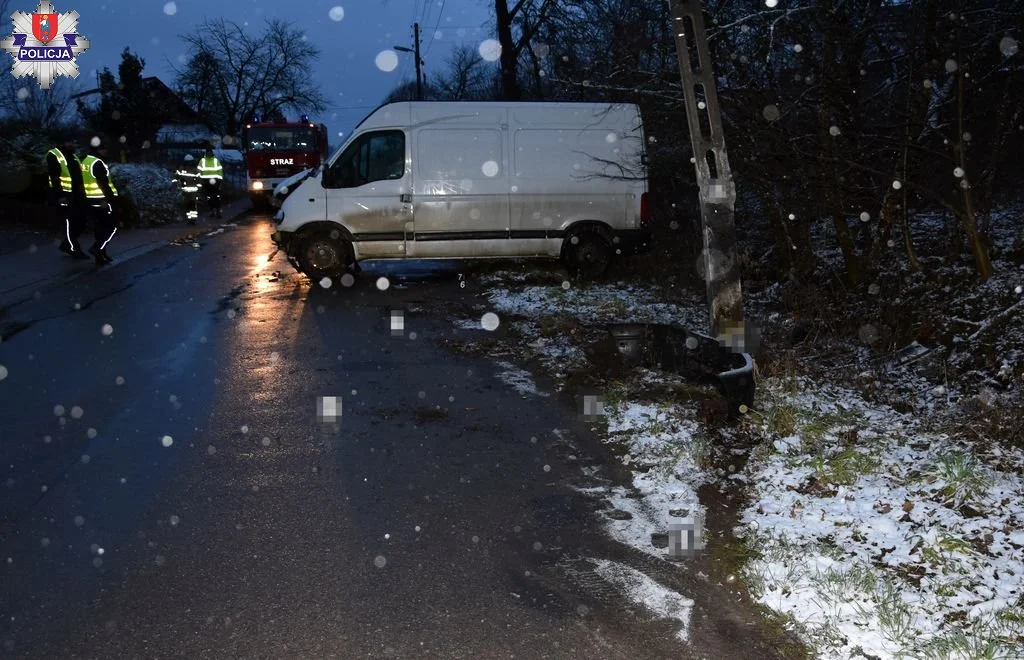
452, 180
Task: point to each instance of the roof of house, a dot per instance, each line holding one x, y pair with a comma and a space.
185, 134
175, 108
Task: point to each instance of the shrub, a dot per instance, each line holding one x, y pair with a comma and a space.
22, 159
147, 194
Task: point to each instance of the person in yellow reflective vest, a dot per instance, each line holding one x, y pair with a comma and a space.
187, 181
101, 200
212, 174
67, 194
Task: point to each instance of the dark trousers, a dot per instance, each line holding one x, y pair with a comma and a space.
211, 187
72, 224
103, 226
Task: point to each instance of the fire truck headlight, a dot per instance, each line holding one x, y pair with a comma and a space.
257, 185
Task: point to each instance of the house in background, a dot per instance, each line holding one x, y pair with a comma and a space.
186, 132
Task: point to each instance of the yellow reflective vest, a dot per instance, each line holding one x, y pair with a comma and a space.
92, 186
65, 173
210, 168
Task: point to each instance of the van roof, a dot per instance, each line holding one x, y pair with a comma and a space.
412, 105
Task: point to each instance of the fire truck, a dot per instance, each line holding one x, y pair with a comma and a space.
275, 150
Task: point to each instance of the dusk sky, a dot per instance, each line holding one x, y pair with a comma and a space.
347, 72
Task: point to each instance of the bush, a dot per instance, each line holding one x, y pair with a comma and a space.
146, 194
22, 159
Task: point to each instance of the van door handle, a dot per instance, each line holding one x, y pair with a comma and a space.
406, 198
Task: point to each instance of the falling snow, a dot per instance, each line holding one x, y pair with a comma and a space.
387, 61
490, 50
1008, 46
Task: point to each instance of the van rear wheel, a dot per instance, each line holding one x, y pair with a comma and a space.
324, 253
588, 254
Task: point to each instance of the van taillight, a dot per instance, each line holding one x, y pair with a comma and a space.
645, 211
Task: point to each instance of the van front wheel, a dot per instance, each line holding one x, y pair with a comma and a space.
587, 254
324, 253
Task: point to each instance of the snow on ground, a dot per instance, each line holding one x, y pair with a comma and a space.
595, 304
875, 535
518, 379
644, 591
666, 453
878, 538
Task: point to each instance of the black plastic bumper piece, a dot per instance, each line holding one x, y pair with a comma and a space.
691, 355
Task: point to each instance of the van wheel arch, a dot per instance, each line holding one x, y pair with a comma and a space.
344, 233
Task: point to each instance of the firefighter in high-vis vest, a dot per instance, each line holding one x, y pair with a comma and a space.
188, 183
212, 174
101, 200
67, 194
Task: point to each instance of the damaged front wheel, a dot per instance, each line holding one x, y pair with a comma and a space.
324, 253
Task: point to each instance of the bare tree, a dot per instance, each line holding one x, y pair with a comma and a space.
467, 78
233, 74
46, 109
406, 91
516, 27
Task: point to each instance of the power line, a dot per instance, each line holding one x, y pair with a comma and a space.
434, 33
425, 14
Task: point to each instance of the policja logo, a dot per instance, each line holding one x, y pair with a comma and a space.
36, 44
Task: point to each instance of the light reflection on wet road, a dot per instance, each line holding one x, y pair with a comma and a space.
425, 524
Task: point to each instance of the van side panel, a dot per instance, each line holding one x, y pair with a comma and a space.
573, 164
460, 181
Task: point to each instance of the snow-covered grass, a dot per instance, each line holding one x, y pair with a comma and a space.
595, 304
872, 533
150, 196
669, 458
876, 537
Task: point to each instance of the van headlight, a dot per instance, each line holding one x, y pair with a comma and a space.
257, 185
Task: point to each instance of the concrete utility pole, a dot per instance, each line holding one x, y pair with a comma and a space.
717, 191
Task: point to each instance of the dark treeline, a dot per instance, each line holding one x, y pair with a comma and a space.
851, 112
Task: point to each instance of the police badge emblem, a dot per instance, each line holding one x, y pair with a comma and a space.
45, 44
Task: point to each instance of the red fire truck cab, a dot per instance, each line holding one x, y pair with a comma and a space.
275, 150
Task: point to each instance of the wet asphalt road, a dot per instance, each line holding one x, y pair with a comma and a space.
186, 501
